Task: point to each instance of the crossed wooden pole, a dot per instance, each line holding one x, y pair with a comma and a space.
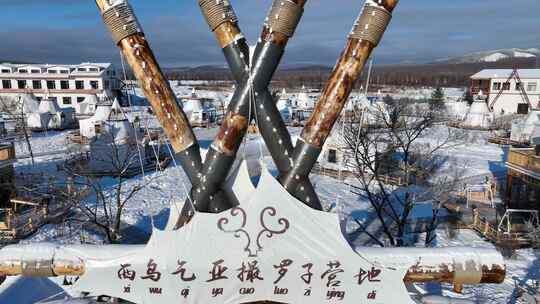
252, 98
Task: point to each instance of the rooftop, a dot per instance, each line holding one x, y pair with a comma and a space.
505, 73
46, 66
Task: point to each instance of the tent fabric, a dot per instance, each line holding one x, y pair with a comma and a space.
272, 247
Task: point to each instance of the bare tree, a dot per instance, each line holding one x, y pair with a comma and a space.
16, 111
116, 160
394, 164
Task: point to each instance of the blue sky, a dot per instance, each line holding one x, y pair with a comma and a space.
70, 31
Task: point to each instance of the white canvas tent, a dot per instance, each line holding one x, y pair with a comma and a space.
522, 131
117, 146
88, 106
102, 113
284, 107
304, 101
479, 116
50, 116
29, 103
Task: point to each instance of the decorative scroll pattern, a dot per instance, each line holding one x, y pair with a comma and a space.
267, 231
241, 231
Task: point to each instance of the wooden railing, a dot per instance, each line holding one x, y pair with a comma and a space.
491, 233
525, 158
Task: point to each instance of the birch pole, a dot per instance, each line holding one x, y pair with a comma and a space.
236, 51
364, 37
128, 35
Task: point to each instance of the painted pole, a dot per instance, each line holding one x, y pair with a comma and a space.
222, 153
364, 37
128, 35
236, 51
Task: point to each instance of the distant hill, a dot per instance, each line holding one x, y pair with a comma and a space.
494, 56
448, 72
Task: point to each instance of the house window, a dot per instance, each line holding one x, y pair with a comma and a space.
332, 156
66, 100
52, 71
94, 70
36, 84
23, 71
523, 108
519, 85
79, 85
80, 99
21, 84
6, 84
496, 86
81, 70
39, 99
64, 72
6, 71
51, 85
531, 86
506, 86
35, 71
94, 85
64, 85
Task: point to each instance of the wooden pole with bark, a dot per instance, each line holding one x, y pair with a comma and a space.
364, 37
128, 35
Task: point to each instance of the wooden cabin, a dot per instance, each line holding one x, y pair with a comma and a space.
523, 179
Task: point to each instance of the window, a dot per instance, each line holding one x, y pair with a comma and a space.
6, 84
21, 84
52, 71
55, 99
496, 86
51, 85
39, 99
66, 100
94, 69
64, 72
23, 71
531, 86
81, 70
80, 99
79, 85
94, 85
64, 85
506, 86
106, 84
519, 85
6, 71
523, 108
36, 84
35, 71
332, 156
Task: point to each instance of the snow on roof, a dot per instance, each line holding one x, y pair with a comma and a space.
48, 66
505, 73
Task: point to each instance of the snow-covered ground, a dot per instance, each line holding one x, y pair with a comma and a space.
152, 206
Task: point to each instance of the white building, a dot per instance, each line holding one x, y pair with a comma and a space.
68, 85
493, 81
